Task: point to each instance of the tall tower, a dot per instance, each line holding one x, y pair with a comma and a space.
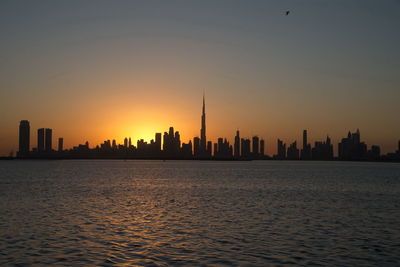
48, 140
236, 148
24, 138
305, 143
40, 140
60, 144
203, 139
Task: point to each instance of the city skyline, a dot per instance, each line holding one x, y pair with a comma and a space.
135, 68
170, 146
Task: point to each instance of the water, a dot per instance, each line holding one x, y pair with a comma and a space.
199, 213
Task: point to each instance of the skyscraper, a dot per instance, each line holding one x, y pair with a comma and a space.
209, 148
48, 140
60, 144
256, 145
158, 142
292, 151
24, 138
196, 146
236, 145
262, 147
40, 140
281, 150
306, 151
203, 139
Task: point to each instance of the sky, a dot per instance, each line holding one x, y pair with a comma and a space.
98, 70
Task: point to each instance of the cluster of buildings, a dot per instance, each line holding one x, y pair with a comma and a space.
169, 146
322, 150
44, 146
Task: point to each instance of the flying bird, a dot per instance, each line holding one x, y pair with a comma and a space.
287, 12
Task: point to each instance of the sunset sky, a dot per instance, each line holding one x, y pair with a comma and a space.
97, 70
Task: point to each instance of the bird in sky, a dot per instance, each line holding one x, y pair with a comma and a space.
287, 12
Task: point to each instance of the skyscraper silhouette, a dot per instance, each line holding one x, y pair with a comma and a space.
306, 151
281, 150
24, 138
256, 145
40, 140
262, 147
60, 144
158, 142
351, 148
236, 149
49, 140
203, 139
196, 146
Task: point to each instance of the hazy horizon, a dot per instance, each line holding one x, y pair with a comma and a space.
99, 70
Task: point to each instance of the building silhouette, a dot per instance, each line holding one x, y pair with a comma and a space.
40, 140
351, 148
374, 153
222, 149
48, 145
245, 148
262, 148
293, 151
196, 146
60, 144
187, 150
236, 145
281, 150
24, 139
306, 151
203, 138
209, 149
255, 147
169, 146
158, 142
323, 150
126, 142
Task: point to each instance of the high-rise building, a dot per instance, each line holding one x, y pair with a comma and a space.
187, 150
158, 142
245, 147
351, 148
236, 145
215, 150
209, 148
60, 144
40, 140
126, 142
172, 143
203, 139
114, 144
281, 150
256, 145
262, 147
24, 138
48, 141
177, 143
323, 150
305, 153
293, 151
